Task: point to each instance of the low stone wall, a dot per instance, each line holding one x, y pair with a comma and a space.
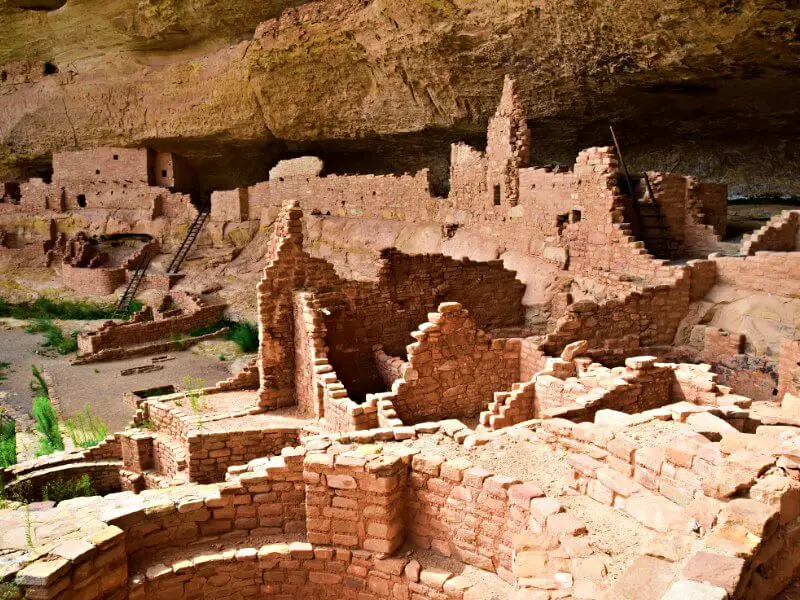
767, 272
109, 450
96, 567
576, 390
298, 571
97, 282
466, 512
109, 354
31, 486
265, 497
112, 336
211, 453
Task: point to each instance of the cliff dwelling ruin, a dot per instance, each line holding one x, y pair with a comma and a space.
497, 380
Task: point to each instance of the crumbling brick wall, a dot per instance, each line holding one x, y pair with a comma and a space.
712, 199
360, 315
289, 268
408, 288
619, 327
779, 234
703, 232
453, 368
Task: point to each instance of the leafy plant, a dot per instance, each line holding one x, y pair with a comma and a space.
4, 367
47, 425
86, 430
8, 441
245, 334
147, 424
64, 489
54, 337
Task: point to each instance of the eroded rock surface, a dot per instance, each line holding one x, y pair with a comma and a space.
227, 80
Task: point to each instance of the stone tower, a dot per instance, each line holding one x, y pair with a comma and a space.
508, 147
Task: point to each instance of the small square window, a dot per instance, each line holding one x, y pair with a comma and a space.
116, 157
97, 171
163, 172
497, 195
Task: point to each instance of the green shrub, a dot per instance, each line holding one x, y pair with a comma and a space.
47, 425
74, 310
245, 334
8, 442
86, 430
38, 384
4, 367
54, 337
64, 489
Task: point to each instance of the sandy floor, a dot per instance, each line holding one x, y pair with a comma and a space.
101, 384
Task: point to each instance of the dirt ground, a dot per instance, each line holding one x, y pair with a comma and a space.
100, 384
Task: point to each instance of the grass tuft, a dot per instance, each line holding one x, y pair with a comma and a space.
64, 489
54, 337
69, 310
86, 430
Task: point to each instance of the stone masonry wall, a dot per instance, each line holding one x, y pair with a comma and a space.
464, 511
769, 272
780, 234
97, 282
111, 164
453, 368
408, 288
355, 501
619, 327
211, 453
112, 335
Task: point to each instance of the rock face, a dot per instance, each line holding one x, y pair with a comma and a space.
707, 87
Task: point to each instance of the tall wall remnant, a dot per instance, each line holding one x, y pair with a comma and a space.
508, 147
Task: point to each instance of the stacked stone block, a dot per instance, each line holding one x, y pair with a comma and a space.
453, 368
211, 453
779, 234
355, 499
763, 272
